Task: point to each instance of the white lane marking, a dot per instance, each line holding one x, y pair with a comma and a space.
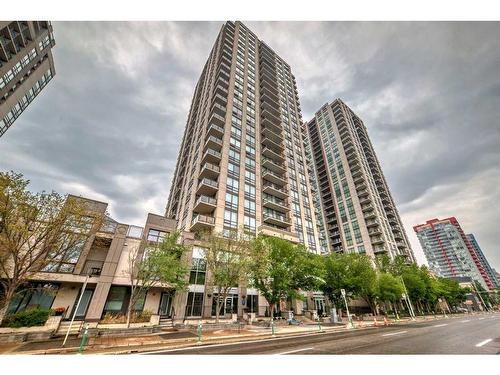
295, 351
481, 318
440, 325
464, 321
395, 333
483, 343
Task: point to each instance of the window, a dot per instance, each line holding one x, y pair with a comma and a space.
156, 235
249, 223
198, 268
65, 261
249, 207
116, 299
231, 201
233, 169
232, 184
40, 295
194, 304
230, 218
249, 191
252, 303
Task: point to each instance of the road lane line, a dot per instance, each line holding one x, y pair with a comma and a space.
440, 325
295, 351
464, 321
481, 318
482, 343
395, 333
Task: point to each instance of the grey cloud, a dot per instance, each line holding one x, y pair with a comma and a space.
111, 122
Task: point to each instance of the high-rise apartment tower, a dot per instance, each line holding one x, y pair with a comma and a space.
483, 260
242, 158
359, 214
449, 252
26, 66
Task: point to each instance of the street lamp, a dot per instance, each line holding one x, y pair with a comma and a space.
87, 277
407, 298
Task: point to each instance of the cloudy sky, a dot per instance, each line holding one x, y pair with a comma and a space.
110, 124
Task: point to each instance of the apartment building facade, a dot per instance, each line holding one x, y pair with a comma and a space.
358, 212
26, 66
101, 262
483, 260
449, 252
242, 161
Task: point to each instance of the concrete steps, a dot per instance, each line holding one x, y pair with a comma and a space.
75, 328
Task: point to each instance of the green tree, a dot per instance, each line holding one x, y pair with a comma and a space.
277, 269
389, 288
352, 272
227, 259
38, 231
164, 264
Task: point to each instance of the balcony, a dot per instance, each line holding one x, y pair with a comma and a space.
275, 204
272, 132
273, 177
363, 193
271, 123
204, 204
273, 166
217, 119
370, 214
400, 244
275, 146
377, 240
215, 130
275, 190
201, 222
276, 219
374, 231
218, 109
273, 110
372, 223
207, 187
213, 143
380, 250
398, 235
210, 170
367, 207
359, 179
269, 153
211, 156
365, 200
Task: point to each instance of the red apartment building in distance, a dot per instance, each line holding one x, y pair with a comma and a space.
449, 252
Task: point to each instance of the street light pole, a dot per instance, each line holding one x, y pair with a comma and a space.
408, 301
480, 296
342, 291
76, 308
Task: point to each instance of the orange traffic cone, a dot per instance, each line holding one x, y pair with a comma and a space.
375, 322
385, 322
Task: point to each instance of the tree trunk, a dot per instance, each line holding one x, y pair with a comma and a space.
9, 294
271, 312
129, 312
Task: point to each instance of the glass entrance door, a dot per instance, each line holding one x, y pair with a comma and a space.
165, 305
319, 303
81, 311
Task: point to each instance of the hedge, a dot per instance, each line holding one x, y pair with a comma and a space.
27, 318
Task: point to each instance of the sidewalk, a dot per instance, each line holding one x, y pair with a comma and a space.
170, 339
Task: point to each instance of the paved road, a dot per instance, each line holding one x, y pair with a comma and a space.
468, 334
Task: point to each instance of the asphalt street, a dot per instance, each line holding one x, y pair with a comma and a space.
466, 334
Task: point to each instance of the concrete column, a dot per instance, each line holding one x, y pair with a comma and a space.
106, 278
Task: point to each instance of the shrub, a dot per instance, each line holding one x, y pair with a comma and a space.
27, 318
137, 317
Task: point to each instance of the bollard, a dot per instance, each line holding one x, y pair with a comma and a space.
84, 339
319, 326
200, 331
